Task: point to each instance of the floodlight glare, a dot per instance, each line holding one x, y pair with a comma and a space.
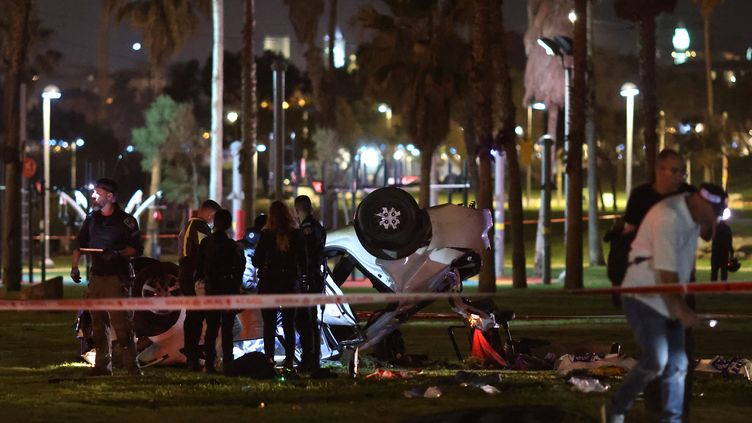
629, 90
539, 106
51, 92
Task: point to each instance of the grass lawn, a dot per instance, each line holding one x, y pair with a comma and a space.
41, 377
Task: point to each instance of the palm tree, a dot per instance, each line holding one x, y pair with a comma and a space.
250, 112
506, 139
595, 248
217, 81
414, 62
482, 83
544, 76
15, 44
706, 10
103, 54
165, 26
644, 12
573, 278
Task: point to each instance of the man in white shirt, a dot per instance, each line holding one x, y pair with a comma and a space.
663, 252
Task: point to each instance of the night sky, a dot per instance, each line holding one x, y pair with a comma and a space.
75, 24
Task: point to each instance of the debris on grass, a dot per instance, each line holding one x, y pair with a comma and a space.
728, 367
432, 392
587, 384
393, 374
590, 361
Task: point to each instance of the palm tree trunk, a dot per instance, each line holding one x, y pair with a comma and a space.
250, 112
509, 143
215, 176
482, 86
573, 277
152, 226
16, 43
103, 50
595, 248
647, 85
332, 32
426, 160
708, 62
471, 146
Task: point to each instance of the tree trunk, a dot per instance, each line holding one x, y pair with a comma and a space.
16, 44
551, 125
482, 87
595, 248
426, 160
471, 147
647, 86
250, 113
215, 177
509, 142
151, 223
573, 277
103, 50
332, 32
708, 63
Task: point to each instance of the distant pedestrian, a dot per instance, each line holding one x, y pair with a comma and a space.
307, 322
721, 251
220, 265
280, 258
113, 238
663, 252
193, 233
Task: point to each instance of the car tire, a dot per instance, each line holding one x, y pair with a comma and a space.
390, 225
154, 278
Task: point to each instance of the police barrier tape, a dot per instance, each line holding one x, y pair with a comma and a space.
222, 302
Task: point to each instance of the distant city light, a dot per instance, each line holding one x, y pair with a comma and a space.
80, 142
699, 127
572, 16
232, 117
130, 149
136, 46
518, 130
261, 148
680, 40
370, 156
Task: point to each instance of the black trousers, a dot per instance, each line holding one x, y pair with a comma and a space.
269, 316
216, 320
192, 327
307, 325
716, 265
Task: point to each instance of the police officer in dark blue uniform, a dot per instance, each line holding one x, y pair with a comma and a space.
112, 237
307, 322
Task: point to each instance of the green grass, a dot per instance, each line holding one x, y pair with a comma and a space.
41, 377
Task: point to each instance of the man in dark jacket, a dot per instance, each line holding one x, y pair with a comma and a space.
112, 237
220, 266
307, 322
195, 230
721, 251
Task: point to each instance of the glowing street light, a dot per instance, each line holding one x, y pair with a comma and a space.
136, 46
232, 116
50, 92
629, 90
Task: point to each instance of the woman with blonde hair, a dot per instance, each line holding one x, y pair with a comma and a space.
280, 259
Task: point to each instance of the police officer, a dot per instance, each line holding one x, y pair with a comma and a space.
307, 322
113, 237
195, 230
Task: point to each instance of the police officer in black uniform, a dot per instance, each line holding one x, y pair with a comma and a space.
195, 230
112, 237
307, 322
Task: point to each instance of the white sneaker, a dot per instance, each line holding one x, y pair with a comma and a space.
607, 417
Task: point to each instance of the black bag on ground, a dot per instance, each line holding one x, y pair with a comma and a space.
254, 365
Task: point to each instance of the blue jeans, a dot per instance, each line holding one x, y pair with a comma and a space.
661, 341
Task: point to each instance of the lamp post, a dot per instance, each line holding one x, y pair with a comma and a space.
629, 90
49, 93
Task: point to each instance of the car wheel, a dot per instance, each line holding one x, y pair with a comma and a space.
390, 225
155, 279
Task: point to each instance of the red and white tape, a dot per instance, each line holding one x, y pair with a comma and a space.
222, 302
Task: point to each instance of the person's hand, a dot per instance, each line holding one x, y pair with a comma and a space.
75, 274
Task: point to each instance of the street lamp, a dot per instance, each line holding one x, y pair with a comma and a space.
49, 93
387, 111
629, 90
